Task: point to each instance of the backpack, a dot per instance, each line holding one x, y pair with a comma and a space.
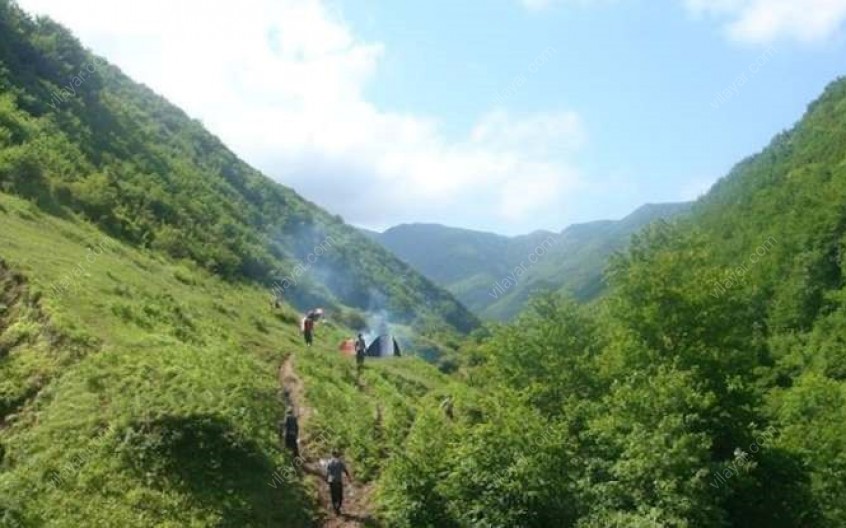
335, 471
292, 428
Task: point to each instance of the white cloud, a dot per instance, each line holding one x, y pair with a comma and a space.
543, 134
536, 5
765, 21
282, 83
755, 21
540, 5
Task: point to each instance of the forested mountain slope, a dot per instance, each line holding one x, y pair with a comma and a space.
707, 387
138, 365
495, 276
78, 136
138, 349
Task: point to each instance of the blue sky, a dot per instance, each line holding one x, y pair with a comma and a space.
501, 115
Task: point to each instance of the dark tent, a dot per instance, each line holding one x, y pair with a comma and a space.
384, 346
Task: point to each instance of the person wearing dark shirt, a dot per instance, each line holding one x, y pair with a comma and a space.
335, 471
291, 431
308, 331
360, 351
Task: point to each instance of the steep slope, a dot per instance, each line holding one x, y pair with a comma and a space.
135, 391
707, 387
138, 351
574, 262
139, 391
495, 276
447, 255
77, 136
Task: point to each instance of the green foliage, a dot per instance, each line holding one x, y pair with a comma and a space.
141, 170
705, 389
368, 416
562, 341
130, 398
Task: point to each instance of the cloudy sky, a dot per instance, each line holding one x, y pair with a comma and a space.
502, 115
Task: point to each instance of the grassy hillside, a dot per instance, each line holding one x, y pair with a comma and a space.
495, 276
138, 349
139, 358
79, 137
145, 391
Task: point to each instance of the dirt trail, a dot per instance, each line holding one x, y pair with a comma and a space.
357, 496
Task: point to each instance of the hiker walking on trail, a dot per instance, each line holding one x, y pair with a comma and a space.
308, 330
308, 322
291, 430
360, 352
447, 406
335, 471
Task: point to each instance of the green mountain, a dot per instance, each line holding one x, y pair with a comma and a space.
79, 137
707, 387
139, 352
146, 391
495, 276
142, 377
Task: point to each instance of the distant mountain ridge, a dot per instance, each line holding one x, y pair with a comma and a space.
495, 275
